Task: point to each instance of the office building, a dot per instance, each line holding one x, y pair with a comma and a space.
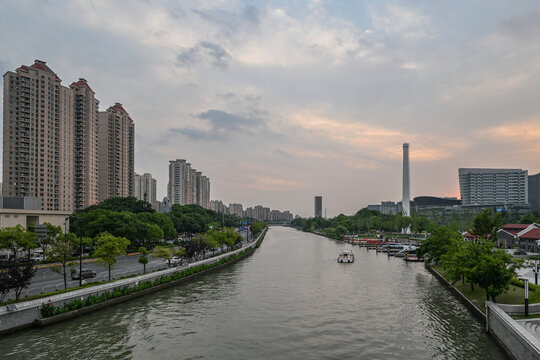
493, 186
86, 145
145, 189
534, 192
116, 153
318, 206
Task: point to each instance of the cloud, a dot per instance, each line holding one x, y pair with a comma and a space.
524, 136
401, 21
523, 27
204, 52
220, 125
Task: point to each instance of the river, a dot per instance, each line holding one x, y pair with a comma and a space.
289, 300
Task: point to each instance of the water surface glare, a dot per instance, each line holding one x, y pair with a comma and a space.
289, 300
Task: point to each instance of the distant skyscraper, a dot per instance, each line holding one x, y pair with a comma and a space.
116, 153
187, 185
406, 182
534, 192
493, 186
318, 206
145, 188
176, 188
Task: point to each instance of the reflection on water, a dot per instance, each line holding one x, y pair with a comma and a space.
289, 300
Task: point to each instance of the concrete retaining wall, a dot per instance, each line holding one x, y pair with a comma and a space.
517, 341
474, 309
20, 315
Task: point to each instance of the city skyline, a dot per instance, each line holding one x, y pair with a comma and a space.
279, 102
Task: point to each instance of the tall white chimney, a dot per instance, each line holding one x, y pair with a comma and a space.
406, 182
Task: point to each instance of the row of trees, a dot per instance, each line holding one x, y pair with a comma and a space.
365, 221
478, 263
138, 222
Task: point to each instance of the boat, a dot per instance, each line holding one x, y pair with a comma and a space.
346, 256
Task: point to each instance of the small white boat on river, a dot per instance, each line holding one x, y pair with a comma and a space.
346, 256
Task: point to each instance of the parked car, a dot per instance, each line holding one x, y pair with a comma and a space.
86, 274
520, 252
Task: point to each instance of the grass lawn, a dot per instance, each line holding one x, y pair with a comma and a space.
514, 295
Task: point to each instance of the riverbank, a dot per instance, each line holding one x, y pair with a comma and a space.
70, 304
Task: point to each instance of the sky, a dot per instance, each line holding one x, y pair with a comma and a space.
279, 101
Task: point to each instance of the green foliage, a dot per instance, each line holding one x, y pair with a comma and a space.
364, 221
17, 239
257, 228
109, 247
119, 204
486, 224
137, 227
441, 241
167, 253
143, 259
61, 251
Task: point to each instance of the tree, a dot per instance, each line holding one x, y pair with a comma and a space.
494, 271
528, 219
143, 259
119, 204
167, 253
438, 244
257, 228
109, 247
5, 281
61, 252
17, 239
20, 274
486, 223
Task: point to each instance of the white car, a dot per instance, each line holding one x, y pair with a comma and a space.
175, 261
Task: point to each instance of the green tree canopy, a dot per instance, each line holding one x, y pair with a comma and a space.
109, 247
17, 239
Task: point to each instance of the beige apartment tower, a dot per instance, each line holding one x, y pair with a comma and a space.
187, 185
145, 188
116, 153
38, 147
86, 145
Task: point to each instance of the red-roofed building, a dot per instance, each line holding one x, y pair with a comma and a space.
522, 236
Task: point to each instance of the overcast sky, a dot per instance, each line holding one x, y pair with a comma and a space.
279, 101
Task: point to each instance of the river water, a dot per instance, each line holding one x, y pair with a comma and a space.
289, 300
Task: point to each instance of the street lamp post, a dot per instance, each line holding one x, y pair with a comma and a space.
80, 246
526, 281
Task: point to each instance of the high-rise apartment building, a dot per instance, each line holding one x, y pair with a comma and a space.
38, 139
534, 192
236, 209
493, 186
318, 206
187, 185
176, 187
86, 145
116, 153
145, 188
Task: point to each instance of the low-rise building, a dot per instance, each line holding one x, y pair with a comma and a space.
522, 236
